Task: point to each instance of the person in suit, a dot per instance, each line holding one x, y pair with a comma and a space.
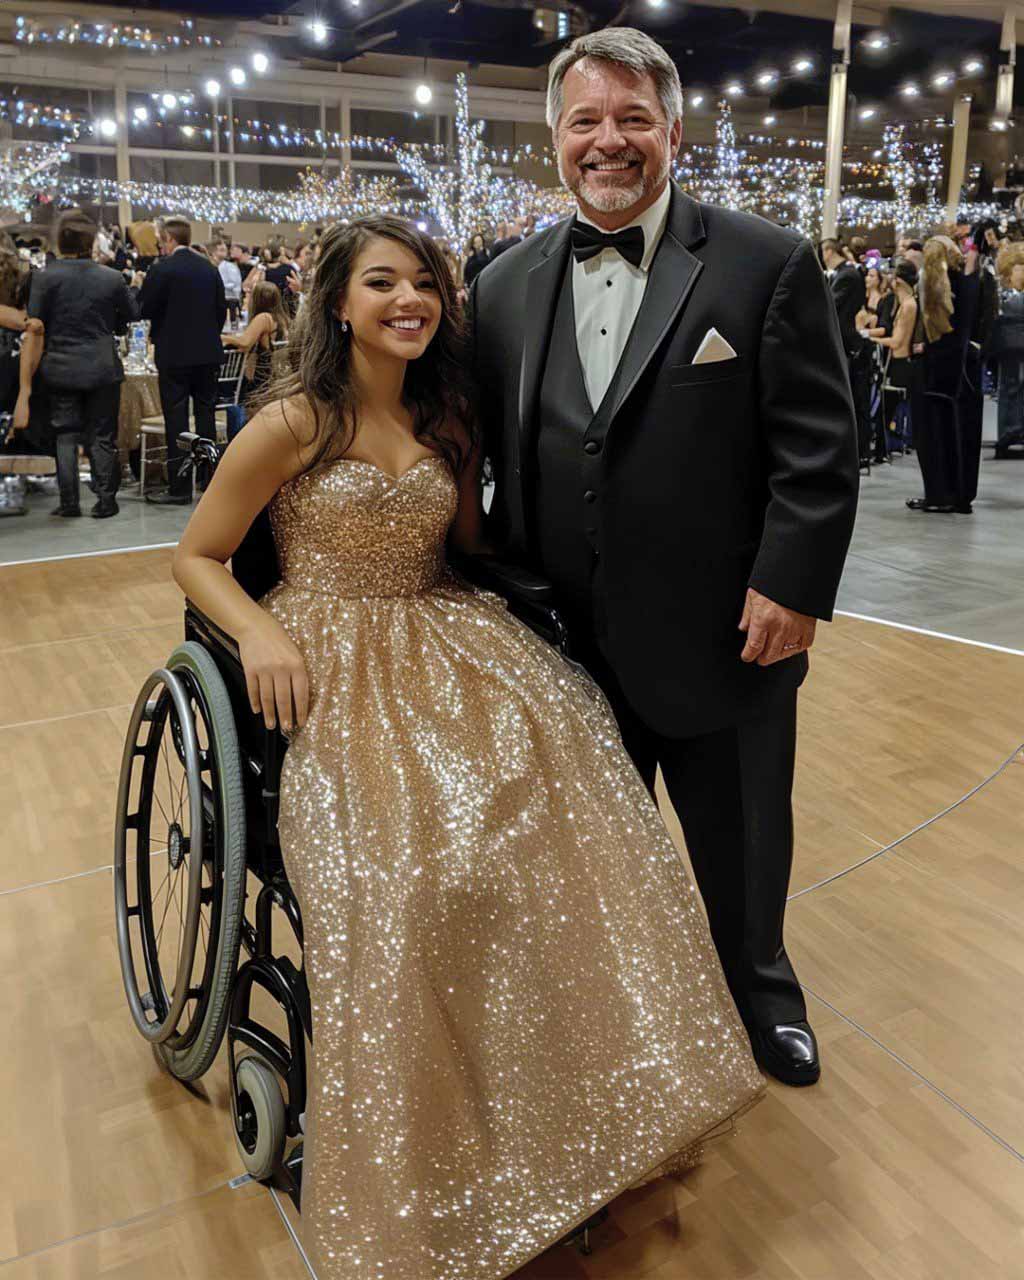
666, 409
849, 293
183, 298
81, 306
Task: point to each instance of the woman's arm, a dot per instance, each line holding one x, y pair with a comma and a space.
258, 462
903, 330
28, 362
13, 318
252, 333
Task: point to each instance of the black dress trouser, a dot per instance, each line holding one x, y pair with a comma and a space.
89, 418
177, 387
732, 792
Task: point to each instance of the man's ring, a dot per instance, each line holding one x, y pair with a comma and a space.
791, 646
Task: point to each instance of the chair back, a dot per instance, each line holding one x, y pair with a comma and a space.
229, 378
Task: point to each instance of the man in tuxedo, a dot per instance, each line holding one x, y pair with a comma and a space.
183, 298
667, 411
850, 295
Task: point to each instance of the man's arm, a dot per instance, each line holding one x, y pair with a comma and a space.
809, 430
222, 303
153, 294
126, 307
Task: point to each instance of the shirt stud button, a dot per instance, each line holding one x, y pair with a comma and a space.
604, 333
590, 496
591, 447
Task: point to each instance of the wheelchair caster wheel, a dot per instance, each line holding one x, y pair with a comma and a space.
259, 1118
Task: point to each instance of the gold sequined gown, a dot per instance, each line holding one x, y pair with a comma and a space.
517, 1008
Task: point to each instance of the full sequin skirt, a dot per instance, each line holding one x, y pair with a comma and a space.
517, 1008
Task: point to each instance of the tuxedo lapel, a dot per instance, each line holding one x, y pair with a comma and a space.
542, 286
674, 272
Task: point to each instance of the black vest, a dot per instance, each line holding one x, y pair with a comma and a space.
570, 473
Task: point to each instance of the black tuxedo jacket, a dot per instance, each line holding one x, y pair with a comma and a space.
850, 294
183, 297
713, 477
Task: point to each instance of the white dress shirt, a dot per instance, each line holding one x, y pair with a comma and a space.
607, 292
232, 278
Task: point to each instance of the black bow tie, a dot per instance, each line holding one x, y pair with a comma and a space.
588, 241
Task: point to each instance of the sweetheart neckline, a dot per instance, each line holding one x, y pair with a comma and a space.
363, 462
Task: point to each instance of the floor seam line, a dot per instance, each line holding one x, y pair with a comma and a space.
88, 635
69, 715
114, 1226
921, 826
291, 1231
909, 1066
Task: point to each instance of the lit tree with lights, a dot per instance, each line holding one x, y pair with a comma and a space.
900, 173
28, 169
728, 191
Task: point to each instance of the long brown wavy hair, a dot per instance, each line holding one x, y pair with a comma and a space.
266, 298
436, 388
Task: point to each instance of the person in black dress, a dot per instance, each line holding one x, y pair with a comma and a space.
479, 257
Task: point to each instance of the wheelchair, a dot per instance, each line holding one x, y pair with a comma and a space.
196, 823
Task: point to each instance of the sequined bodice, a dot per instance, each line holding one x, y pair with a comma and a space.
351, 530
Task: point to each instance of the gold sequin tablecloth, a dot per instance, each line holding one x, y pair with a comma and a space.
140, 398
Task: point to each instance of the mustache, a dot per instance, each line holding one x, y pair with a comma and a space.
622, 157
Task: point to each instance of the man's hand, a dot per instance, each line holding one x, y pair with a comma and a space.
294, 283
773, 632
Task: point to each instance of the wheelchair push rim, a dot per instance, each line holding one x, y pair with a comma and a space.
161, 727
186, 703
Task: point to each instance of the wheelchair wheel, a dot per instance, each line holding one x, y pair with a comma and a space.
179, 861
260, 1123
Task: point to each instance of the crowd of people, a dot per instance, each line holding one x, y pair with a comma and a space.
929, 328
928, 332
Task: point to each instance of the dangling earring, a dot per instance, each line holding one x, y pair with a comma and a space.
344, 326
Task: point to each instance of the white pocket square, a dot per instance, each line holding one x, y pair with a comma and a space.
713, 347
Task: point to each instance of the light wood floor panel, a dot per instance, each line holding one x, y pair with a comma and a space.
41, 682
64, 599
868, 1176
227, 1235
934, 972
58, 783
93, 1131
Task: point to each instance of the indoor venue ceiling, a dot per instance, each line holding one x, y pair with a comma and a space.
709, 42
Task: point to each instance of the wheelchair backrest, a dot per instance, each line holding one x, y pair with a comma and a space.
255, 565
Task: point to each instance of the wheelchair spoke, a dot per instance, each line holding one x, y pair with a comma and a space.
167, 769
170, 895
160, 806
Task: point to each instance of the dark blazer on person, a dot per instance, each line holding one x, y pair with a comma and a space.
183, 298
709, 477
82, 306
850, 295
475, 263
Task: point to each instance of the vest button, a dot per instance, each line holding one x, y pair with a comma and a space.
591, 447
590, 496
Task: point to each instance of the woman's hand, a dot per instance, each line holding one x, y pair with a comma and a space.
21, 413
275, 675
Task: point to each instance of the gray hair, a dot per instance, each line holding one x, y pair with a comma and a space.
626, 47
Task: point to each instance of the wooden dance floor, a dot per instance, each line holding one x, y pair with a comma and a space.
905, 1163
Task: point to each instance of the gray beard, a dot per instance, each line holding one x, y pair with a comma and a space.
612, 199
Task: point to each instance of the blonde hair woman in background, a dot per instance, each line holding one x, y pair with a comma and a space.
946, 327
1008, 346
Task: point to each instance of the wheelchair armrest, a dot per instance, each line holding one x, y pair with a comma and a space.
206, 626
506, 579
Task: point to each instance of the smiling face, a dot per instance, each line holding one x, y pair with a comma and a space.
615, 147
392, 302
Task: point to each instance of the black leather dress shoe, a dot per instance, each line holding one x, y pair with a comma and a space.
789, 1052
164, 498
919, 504
66, 511
105, 508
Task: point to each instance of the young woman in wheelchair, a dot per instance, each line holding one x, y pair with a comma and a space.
517, 1008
